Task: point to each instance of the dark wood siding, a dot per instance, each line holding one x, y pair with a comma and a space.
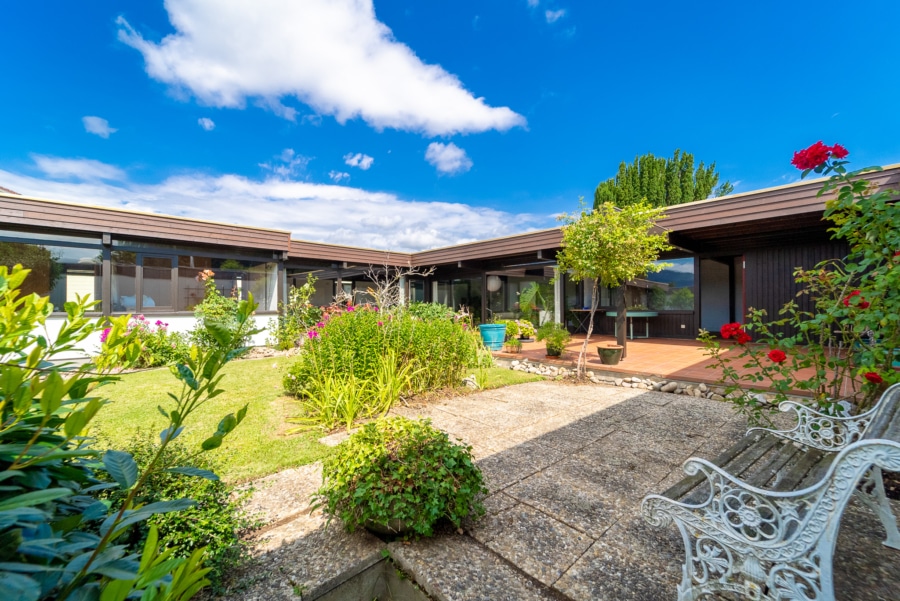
769, 274
352, 256
500, 247
666, 325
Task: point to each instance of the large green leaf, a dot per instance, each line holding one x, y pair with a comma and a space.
37, 497
122, 467
193, 471
18, 587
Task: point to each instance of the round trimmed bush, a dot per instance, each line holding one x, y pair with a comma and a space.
400, 474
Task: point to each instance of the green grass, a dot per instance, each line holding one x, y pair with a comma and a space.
497, 377
258, 446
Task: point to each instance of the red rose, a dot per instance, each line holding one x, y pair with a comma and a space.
863, 304
777, 355
839, 152
742, 337
729, 330
873, 377
850, 296
812, 157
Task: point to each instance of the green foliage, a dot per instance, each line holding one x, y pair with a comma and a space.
845, 346
512, 327
556, 337
159, 346
295, 318
59, 541
611, 246
361, 361
534, 299
678, 299
214, 522
661, 182
400, 471
526, 328
218, 313
431, 311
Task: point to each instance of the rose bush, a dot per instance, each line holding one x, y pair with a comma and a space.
846, 346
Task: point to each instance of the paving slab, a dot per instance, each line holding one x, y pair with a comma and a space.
457, 568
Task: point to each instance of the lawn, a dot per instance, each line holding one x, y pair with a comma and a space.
260, 445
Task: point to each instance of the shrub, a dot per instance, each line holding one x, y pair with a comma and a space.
158, 345
397, 472
58, 540
353, 356
296, 317
512, 327
430, 311
222, 312
526, 328
214, 522
555, 335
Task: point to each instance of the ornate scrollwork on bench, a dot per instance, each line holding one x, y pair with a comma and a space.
821, 431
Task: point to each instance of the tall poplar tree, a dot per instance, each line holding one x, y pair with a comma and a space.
662, 182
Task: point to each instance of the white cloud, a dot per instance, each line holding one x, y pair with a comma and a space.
98, 126
363, 161
206, 123
77, 169
287, 164
448, 158
338, 176
553, 16
533, 3
333, 55
317, 212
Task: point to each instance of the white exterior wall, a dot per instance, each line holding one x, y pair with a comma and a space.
177, 323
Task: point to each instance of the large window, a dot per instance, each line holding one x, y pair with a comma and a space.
60, 272
673, 287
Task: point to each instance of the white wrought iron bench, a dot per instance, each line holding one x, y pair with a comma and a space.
761, 521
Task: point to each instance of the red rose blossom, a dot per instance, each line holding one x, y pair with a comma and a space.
816, 155
873, 377
777, 355
742, 337
839, 152
849, 298
729, 330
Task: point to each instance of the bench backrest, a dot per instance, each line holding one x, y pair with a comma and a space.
885, 423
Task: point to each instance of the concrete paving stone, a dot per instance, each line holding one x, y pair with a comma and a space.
625, 450
536, 543
660, 399
628, 410
560, 433
633, 561
864, 569
516, 463
563, 492
494, 416
456, 568
498, 502
303, 557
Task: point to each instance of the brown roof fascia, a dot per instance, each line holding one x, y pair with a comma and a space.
301, 249
43, 213
759, 205
497, 247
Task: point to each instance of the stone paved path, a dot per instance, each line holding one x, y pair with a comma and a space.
567, 466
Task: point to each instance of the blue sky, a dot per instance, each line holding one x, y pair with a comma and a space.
407, 124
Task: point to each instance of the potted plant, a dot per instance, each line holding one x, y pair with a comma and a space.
513, 345
526, 329
493, 334
556, 336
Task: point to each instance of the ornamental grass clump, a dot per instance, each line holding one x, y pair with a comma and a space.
400, 475
840, 343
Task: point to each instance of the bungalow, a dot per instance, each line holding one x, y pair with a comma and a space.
730, 253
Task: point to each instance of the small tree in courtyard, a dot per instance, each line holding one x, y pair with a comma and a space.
612, 246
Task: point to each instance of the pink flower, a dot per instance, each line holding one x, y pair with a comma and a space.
104, 334
321, 324
380, 323
351, 308
312, 334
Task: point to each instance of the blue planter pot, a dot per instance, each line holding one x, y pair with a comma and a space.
493, 334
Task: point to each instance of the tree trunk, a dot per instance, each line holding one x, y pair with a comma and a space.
582, 357
621, 320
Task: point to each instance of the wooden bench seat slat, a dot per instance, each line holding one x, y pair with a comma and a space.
773, 470
791, 477
886, 423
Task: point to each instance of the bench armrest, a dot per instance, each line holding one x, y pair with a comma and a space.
820, 430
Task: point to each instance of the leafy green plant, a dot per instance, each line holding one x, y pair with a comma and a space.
295, 318
361, 361
534, 299
526, 328
400, 472
512, 327
513, 345
221, 311
556, 337
58, 540
158, 345
214, 523
430, 311
844, 346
